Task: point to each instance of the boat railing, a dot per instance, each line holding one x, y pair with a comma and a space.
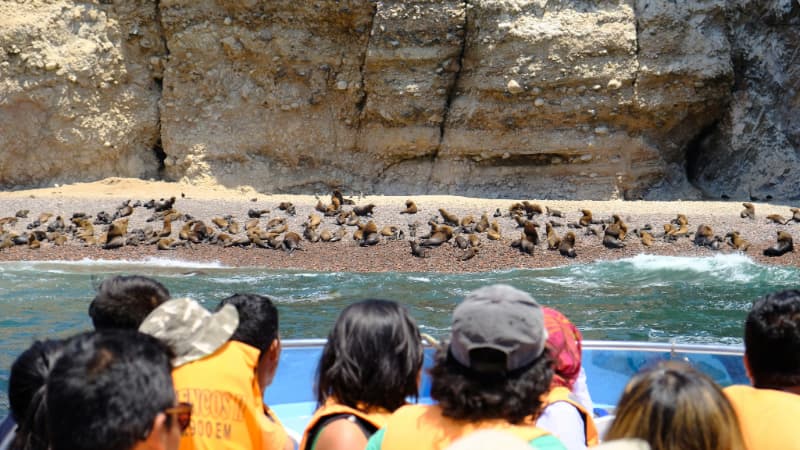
668, 347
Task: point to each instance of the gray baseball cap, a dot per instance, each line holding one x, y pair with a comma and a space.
501, 318
189, 329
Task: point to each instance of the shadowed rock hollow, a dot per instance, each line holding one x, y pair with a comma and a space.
513, 98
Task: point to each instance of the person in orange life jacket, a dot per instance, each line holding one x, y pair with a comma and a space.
112, 390
491, 374
563, 414
370, 364
225, 361
768, 410
675, 407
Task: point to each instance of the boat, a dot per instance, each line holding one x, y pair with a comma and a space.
608, 365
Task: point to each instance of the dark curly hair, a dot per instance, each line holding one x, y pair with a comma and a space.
373, 357
466, 394
123, 302
772, 340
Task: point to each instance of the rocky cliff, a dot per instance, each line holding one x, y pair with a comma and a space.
522, 98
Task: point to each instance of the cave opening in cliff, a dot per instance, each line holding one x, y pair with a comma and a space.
161, 156
697, 154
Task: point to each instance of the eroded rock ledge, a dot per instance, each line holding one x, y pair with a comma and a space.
522, 98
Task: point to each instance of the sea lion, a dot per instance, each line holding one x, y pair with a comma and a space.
221, 222
8, 221
497, 213
291, 242
365, 210
287, 207
449, 218
256, 213
523, 244
520, 219
251, 223
325, 235
164, 204
391, 231
370, 239
483, 223
681, 220
647, 238
737, 242
623, 227
795, 215
166, 244
56, 225
411, 207
115, 236
493, 232
339, 234
704, 237
22, 213
529, 231
461, 242
314, 220
469, 253
777, 218
566, 245
418, 250
334, 208
784, 245
553, 241
33, 242
532, 209
586, 218
474, 240
467, 222
749, 211
553, 212
310, 232
321, 207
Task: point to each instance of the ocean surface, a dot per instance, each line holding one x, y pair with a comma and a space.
644, 298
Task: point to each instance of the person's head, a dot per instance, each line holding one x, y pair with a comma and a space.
124, 301
258, 327
495, 365
772, 341
113, 390
26, 393
675, 407
373, 357
564, 345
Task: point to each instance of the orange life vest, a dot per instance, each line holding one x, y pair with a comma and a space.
227, 407
562, 394
423, 427
377, 418
767, 417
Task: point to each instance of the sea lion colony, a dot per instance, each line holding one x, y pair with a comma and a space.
168, 228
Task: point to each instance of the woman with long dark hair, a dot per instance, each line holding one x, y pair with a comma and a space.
370, 365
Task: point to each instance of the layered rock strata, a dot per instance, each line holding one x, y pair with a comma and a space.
521, 98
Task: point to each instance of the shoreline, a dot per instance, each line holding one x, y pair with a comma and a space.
205, 202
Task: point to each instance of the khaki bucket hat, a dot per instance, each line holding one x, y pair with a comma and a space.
189, 329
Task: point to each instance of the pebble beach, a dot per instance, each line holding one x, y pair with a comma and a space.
204, 202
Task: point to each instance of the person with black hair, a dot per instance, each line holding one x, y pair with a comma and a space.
26, 397
112, 390
122, 302
228, 384
491, 375
370, 364
768, 410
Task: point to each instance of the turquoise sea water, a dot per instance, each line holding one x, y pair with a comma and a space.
645, 298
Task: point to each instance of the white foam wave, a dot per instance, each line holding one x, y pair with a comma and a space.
732, 266
151, 263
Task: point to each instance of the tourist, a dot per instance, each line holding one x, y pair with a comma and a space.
370, 364
490, 375
227, 386
112, 390
675, 407
26, 397
122, 302
564, 415
768, 410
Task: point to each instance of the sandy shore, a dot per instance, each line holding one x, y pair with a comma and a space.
205, 202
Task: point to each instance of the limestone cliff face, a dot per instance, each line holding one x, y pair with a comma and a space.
523, 98
78, 99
